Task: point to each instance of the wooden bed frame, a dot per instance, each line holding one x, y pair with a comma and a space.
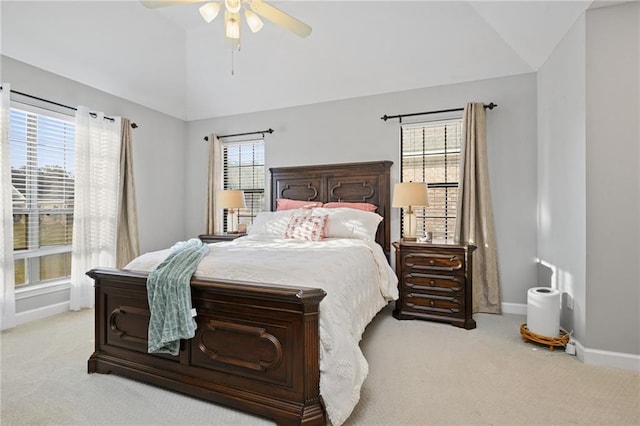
256, 347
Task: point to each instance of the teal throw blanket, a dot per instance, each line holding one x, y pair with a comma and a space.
169, 294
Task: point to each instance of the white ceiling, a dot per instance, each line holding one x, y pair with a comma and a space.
170, 60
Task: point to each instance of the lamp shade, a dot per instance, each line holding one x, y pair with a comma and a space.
230, 199
407, 194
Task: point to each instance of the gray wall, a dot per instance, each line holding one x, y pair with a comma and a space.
613, 178
157, 147
561, 175
351, 130
589, 181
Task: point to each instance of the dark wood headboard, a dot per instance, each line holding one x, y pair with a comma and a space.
350, 182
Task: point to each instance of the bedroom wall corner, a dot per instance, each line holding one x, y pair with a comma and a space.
561, 176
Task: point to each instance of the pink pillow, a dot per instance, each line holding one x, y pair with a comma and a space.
287, 204
306, 226
367, 207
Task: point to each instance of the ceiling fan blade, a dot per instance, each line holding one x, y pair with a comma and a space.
154, 4
278, 17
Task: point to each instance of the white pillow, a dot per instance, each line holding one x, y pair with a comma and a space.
344, 222
271, 223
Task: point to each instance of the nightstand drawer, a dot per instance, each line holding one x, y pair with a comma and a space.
433, 261
415, 281
434, 304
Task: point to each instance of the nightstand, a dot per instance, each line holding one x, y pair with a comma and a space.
434, 282
218, 238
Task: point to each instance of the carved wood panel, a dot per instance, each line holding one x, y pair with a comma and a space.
265, 352
128, 324
361, 189
252, 349
295, 189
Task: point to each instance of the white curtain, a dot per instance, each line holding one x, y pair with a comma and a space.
7, 277
96, 201
214, 184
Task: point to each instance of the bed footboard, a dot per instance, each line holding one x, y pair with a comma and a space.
256, 347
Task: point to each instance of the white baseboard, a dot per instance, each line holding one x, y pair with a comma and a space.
514, 308
40, 313
610, 359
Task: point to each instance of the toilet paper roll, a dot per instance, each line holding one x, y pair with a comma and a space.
543, 311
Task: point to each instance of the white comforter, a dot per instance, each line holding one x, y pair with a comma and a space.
354, 273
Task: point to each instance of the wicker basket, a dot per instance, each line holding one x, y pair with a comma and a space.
552, 342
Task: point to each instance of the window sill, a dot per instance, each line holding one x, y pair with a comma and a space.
40, 289
42, 251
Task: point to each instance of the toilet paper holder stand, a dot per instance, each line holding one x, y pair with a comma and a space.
552, 342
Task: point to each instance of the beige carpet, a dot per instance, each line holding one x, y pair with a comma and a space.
421, 373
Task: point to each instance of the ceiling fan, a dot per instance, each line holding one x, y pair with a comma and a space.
253, 9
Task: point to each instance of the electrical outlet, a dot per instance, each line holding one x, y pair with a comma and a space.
569, 301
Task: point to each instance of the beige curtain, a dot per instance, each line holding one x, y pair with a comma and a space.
213, 217
128, 246
474, 222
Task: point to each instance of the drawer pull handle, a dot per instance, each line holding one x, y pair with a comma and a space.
431, 303
432, 282
432, 262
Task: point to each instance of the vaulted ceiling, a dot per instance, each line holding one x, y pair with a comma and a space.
170, 60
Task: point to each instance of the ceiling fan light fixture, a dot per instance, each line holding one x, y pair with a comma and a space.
233, 6
232, 27
209, 11
255, 12
253, 21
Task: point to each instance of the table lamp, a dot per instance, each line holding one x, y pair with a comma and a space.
408, 195
230, 199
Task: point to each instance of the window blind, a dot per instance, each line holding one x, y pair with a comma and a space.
431, 153
244, 170
42, 178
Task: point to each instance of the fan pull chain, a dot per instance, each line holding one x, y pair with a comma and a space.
232, 70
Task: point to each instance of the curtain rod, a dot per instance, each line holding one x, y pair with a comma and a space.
93, 114
388, 117
260, 132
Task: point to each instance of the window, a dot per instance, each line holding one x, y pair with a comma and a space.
431, 153
42, 166
244, 169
